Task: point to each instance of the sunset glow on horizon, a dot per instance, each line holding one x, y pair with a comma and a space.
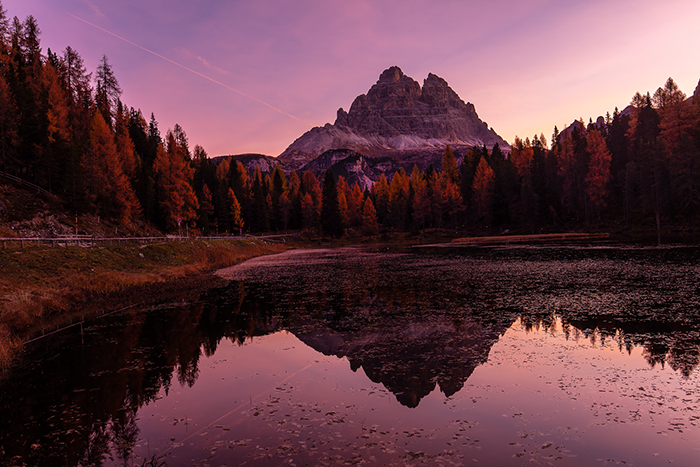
251, 77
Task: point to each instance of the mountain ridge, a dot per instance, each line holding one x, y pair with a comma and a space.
398, 118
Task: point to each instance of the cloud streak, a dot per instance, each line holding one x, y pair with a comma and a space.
204, 62
188, 69
94, 8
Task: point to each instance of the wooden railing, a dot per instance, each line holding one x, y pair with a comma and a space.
89, 240
22, 182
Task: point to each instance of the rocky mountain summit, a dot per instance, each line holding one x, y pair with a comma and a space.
398, 118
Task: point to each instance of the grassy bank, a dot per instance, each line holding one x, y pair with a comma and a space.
41, 286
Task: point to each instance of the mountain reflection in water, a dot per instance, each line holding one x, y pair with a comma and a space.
411, 321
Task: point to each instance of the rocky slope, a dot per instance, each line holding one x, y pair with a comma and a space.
250, 161
353, 166
398, 118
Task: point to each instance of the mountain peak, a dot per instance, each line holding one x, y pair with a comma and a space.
392, 75
397, 117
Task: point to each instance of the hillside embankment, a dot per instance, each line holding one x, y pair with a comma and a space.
43, 288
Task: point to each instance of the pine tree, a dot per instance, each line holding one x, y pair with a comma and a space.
279, 187
484, 181
107, 91
331, 223
9, 121
261, 220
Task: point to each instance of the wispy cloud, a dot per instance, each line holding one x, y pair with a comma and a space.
188, 69
94, 8
203, 61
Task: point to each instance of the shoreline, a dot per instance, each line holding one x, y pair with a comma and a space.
44, 289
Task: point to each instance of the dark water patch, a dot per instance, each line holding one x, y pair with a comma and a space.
430, 356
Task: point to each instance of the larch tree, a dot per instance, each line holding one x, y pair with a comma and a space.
58, 131
234, 207
309, 215
598, 177
452, 200
107, 187
173, 181
449, 165
398, 198
311, 187
421, 203
343, 189
675, 113
483, 186
355, 203
370, 226
125, 146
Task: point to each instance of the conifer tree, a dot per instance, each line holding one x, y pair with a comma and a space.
108, 189
173, 181
295, 196
449, 165
279, 187
9, 120
310, 186
598, 177
261, 219
355, 202
484, 181
107, 91
342, 188
309, 213
370, 226
380, 193
235, 211
331, 223
421, 201
398, 198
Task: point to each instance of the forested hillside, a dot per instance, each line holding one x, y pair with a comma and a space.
66, 129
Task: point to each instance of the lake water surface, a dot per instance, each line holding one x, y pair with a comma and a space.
476, 356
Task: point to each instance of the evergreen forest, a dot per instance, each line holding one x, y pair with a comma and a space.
67, 130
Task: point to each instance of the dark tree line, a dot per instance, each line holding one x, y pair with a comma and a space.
67, 130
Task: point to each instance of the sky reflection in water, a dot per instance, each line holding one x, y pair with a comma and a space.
344, 356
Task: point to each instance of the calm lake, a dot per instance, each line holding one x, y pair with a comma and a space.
547, 355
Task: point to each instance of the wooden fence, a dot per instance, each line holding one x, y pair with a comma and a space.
88, 240
24, 183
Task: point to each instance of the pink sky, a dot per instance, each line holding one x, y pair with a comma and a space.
252, 76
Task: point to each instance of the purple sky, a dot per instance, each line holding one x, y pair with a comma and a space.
254, 75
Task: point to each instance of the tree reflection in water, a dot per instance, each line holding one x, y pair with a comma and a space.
413, 322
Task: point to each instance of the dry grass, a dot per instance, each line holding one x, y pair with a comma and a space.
571, 236
40, 286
